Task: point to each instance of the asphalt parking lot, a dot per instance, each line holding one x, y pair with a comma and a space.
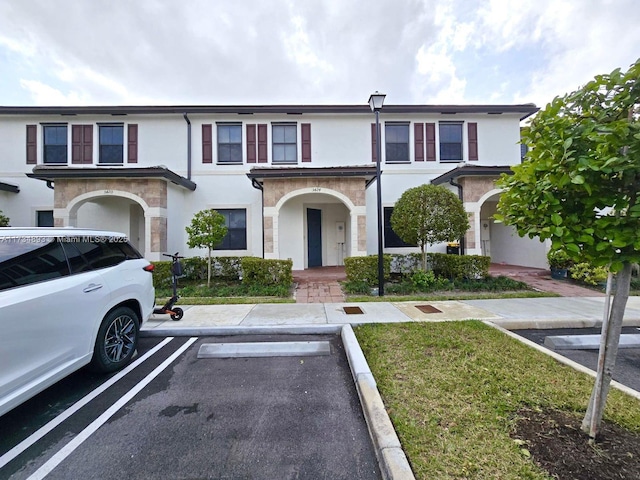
177, 416
627, 370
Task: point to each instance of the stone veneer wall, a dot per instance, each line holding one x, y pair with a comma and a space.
473, 189
152, 191
352, 188
275, 189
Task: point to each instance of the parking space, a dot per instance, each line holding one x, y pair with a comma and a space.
627, 370
177, 416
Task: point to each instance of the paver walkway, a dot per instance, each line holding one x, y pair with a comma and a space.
319, 285
540, 279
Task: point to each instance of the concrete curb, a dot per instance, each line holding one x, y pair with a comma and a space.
221, 331
537, 324
391, 458
564, 360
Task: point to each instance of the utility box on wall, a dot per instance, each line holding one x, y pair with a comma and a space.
340, 232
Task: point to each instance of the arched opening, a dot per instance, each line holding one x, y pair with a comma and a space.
116, 213
314, 229
502, 243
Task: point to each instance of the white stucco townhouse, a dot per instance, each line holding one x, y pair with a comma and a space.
293, 181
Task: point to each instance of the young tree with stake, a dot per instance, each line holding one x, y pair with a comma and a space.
578, 187
207, 230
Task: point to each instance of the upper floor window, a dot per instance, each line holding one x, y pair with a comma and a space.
396, 142
111, 143
229, 143
284, 139
55, 143
450, 141
236, 222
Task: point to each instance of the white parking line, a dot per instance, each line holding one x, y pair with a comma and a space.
65, 451
42, 431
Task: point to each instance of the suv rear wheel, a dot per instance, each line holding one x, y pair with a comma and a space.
117, 340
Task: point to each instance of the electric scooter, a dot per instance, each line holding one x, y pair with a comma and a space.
176, 313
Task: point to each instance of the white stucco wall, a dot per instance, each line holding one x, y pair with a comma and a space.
336, 140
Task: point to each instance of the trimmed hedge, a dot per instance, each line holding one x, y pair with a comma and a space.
260, 271
459, 267
195, 268
364, 270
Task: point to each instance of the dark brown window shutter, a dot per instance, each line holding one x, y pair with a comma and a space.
82, 144
305, 131
472, 131
32, 144
418, 135
251, 144
374, 149
262, 143
431, 141
207, 144
132, 142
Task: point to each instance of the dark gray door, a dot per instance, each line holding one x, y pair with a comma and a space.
314, 237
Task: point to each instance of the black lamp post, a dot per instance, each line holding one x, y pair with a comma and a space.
376, 100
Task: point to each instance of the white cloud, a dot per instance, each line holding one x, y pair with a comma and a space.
331, 51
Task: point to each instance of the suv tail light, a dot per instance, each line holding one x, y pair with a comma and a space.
149, 268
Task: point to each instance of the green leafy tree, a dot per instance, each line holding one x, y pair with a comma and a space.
429, 214
4, 220
207, 230
578, 187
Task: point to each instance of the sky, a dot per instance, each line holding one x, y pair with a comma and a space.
257, 52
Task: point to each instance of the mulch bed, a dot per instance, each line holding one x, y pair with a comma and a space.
559, 446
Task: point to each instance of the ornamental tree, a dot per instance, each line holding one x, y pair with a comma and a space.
578, 188
429, 214
4, 220
207, 230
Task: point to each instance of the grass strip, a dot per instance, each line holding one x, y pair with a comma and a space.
452, 390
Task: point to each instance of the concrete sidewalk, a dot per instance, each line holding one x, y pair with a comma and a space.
552, 312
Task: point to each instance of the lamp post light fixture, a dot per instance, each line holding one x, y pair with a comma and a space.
376, 100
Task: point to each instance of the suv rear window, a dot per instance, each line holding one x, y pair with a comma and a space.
30, 260
25, 260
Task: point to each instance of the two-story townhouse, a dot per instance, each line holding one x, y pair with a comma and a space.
292, 181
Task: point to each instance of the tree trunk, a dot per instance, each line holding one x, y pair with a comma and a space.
424, 257
608, 351
209, 268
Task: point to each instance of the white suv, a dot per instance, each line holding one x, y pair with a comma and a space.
68, 298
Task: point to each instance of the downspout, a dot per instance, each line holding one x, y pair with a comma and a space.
186, 118
460, 196
256, 184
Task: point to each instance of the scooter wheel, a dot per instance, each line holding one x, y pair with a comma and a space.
178, 314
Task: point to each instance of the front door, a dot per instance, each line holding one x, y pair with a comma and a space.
314, 237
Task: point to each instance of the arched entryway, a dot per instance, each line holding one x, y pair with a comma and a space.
314, 216
314, 229
501, 242
122, 212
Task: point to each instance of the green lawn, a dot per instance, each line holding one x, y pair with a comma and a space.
452, 390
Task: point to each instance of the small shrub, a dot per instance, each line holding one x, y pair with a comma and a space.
491, 284
404, 287
356, 287
422, 280
586, 273
558, 259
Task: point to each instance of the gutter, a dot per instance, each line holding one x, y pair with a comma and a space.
186, 118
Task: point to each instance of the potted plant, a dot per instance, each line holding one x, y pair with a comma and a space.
559, 263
